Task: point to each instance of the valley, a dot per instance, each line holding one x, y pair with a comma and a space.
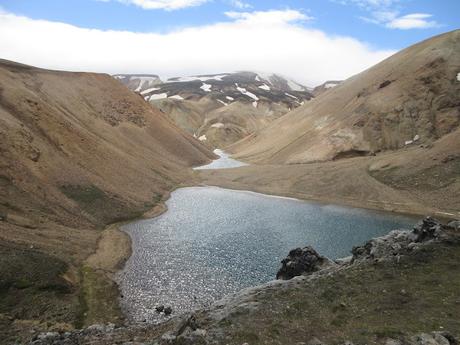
124, 193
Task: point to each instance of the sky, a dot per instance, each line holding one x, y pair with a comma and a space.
310, 41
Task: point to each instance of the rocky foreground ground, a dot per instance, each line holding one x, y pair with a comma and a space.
402, 288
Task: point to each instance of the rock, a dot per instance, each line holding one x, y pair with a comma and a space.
435, 338
344, 261
168, 311
160, 308
427, 229
393, 342
400, 242
48, 335
454, 224
315, 341
301, 261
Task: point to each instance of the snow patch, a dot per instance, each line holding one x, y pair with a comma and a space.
330, 85
217, 125
458, 76
202, 138
230, 98
158, 96
194, 78
246, 93
265, 87
257, 78
222, 102
149, 90
177, 97
146, 82
206, 87
254, 104
289, 95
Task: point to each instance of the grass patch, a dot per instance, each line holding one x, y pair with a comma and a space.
364, 304
98, 299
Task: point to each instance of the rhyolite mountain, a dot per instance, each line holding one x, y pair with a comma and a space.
411, 98
221, 109
78, 151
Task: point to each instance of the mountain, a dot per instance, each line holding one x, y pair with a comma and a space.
411, 98
318, 90
139, 82
78, 151
221, 109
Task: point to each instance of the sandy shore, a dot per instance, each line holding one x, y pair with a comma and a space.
347, 182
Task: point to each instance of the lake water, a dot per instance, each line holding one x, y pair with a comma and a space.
212, 242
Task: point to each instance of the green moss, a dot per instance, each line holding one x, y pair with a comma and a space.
98, 299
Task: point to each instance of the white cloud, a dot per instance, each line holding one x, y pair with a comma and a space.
392, 20
384, 12
412, 21
271, 41
168, 5
240, 4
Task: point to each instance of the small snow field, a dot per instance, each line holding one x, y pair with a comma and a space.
289, 95
196, 78
158, 96
206, 87
246, 93
225, 104
265, 87
177, 97
150, 90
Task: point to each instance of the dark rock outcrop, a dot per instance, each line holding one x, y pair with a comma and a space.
400, 242
301, 261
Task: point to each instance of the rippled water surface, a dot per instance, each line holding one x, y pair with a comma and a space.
213, 241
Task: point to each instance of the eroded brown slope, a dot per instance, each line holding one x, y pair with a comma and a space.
78, 151
414, 94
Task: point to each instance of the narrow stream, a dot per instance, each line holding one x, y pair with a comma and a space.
212, 242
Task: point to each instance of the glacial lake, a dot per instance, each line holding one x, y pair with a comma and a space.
212, 242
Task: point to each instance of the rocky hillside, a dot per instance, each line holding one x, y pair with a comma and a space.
411, 98
222, 109
78, 151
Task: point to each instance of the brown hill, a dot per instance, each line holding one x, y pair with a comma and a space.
78, 151
412, 97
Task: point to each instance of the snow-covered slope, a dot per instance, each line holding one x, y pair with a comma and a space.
240, 102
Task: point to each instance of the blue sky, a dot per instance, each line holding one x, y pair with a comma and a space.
379, 26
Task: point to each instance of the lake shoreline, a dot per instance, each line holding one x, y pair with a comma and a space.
203, 181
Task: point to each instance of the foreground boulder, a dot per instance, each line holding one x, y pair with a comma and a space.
301, 261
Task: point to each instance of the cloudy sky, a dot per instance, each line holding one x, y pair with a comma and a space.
310, 41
